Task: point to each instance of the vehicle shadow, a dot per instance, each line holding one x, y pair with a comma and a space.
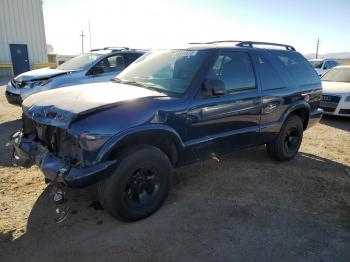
6, 129
339, 122
303, 201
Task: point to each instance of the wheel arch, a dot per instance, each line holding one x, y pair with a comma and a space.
164, 138
301, 110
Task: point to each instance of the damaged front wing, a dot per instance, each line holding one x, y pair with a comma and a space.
28, 152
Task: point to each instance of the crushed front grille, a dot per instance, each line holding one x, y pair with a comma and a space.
57, 140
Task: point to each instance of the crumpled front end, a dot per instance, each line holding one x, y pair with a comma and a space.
17, 91
57, 153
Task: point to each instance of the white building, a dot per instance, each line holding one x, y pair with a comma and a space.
22, 36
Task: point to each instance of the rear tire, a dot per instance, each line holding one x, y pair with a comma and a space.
288, 141
139, 185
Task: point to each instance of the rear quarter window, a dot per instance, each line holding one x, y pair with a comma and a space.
269, 77
298, 67
131, 57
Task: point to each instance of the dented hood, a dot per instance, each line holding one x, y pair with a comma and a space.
59, 107
38, 74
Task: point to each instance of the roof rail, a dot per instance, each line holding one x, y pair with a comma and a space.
110, 48
248, 43
252, 43
224, 41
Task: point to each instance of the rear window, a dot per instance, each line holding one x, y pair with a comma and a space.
298, 67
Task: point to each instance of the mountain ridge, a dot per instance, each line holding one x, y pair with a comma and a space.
341, 55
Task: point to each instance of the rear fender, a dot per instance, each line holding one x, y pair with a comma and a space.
299, 105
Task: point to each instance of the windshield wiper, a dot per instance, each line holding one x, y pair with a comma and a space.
135, 83
116, 80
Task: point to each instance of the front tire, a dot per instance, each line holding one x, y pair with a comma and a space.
139, 185
288, 142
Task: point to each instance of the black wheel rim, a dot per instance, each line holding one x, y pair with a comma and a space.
142, 187
291, 140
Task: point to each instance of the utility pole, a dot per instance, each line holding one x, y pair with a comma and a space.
82, 41
317, 46
90, 35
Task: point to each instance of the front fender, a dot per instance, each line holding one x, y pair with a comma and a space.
116, 140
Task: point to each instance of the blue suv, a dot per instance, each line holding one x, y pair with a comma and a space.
99, 65
169, 108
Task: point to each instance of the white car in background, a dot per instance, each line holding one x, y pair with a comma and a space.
336, 91
322, 66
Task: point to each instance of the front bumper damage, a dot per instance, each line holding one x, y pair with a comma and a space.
54, 168
13, 99
13, 94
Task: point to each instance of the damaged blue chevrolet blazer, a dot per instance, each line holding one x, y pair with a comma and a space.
167, 109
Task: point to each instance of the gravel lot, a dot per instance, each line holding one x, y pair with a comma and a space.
246, 207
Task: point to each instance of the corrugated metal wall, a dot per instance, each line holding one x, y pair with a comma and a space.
22, 22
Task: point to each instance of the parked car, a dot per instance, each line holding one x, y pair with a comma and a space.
169, 108
99, 65
322, 66
336, 91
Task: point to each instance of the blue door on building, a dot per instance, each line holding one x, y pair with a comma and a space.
19, 57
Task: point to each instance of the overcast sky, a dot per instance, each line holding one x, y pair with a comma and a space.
161, 24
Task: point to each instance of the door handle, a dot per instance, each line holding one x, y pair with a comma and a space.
257, 101
270, 108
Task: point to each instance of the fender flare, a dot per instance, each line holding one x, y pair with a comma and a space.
115, 140
300, 105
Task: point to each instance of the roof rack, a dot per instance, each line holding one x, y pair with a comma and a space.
252, 43
110, 48
119, 49
224, 41
249, 44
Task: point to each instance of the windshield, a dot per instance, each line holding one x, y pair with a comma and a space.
79, 62
316, 64
337, 75
169, 71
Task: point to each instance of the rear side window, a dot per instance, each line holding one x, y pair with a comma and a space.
298, 66
235, 70
269, 77
130, 58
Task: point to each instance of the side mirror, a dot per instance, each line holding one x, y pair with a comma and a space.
97, 70
214, 87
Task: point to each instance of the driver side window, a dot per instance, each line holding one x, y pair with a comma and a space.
326, 65
111, 64
235, 70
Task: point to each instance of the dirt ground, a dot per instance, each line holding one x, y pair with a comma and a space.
246, 207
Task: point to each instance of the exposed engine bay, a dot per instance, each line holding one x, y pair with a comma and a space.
57, 140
